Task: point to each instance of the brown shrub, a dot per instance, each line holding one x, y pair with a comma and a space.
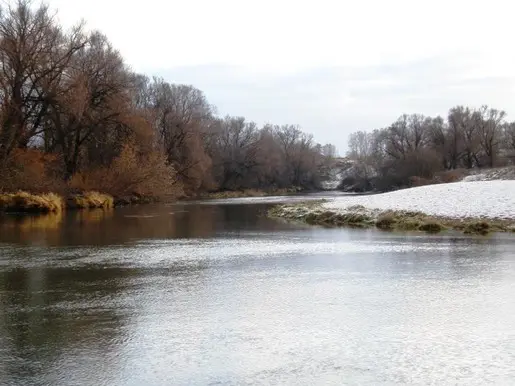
444, 177
131, 174
449, 176
31, 170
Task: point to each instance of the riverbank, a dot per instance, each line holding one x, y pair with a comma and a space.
478, 207
25, 202
249, 193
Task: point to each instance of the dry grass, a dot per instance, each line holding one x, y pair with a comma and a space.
90, 200
31, 203
431, 227
477, 227
386, 222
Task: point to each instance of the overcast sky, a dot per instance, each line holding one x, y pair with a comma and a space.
330, 66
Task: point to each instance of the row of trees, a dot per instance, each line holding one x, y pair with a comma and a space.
73, 115
420, 146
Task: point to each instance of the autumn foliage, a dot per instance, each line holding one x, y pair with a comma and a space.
32, 170
130, 173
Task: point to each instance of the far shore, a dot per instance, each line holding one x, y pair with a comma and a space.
227, 194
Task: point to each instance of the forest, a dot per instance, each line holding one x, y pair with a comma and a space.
76, 118
417, 149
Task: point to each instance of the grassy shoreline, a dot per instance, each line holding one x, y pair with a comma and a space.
314, 213
24, 202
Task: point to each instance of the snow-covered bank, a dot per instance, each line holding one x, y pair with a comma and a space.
477, 207
489, 199
506, 173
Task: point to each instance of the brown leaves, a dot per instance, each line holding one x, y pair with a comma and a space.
131, 173
31, 170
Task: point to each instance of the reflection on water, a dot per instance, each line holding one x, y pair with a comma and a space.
106, 227
204, 293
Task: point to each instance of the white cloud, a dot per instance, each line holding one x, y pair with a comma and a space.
280, 34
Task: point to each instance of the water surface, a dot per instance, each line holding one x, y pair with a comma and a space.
216, 293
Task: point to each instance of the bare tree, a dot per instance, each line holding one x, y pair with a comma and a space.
509, 140
34, 53
406, 135
181, 117
489, 123
464, 137
236, 153
90, 104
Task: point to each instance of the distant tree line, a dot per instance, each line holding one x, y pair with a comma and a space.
74, 116
417, 148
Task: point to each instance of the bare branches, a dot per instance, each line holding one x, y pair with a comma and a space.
419, 146
70, 94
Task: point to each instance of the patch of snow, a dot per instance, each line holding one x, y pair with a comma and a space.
491, 199
475, 177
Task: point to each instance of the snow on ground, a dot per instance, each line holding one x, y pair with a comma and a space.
475, 177
492, 199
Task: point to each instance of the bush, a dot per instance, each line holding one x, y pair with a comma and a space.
90, 200
31, 170
131, 174
449, 176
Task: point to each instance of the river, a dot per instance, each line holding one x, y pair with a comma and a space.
216, 293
